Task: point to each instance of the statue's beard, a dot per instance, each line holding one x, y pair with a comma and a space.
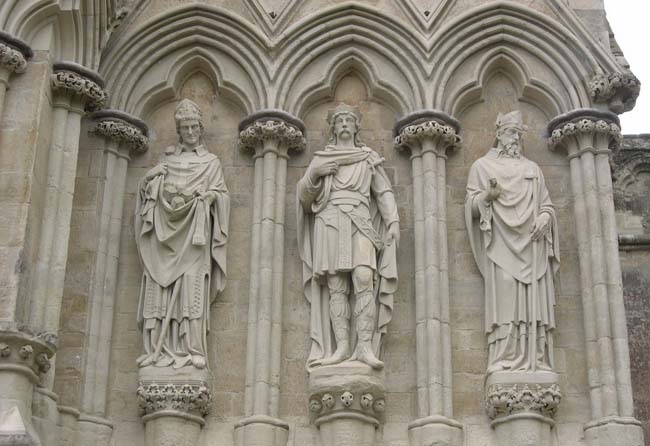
510, 149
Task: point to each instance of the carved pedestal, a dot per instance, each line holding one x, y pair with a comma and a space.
23, 359
347, 403
173, 404
522, 406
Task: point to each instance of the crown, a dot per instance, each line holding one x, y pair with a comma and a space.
343, 108
512, 119
187, 110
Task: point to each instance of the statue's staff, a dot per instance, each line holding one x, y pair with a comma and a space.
532, 340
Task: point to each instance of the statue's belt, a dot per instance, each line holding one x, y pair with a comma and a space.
348, 205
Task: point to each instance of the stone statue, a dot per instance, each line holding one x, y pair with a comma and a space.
181, 224
514, 237
348, 232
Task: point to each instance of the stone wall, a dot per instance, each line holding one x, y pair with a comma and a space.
76, 139
631, 172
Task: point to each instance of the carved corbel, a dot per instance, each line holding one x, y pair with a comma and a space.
76, 81
619, 90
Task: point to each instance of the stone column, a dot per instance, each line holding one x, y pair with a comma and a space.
75, 89
13, 59
428, 135
589, 136
271, 134
124, 135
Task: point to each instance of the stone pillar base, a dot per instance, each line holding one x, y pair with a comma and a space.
438, 430
347, 403
173, 403
94, 430
522, 406
172, 427
614, 430
261, 430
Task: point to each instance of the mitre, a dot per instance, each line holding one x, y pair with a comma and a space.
187, 110
511, 120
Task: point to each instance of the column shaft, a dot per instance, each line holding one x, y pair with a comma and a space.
588, 135
428, 137
270, 136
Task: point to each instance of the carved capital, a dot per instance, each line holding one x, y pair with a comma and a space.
14, 53
585, 130
618, 90
12, 59
427, 130
24, 353
504, 400
75, 79
123, 128
272, 130
191, 398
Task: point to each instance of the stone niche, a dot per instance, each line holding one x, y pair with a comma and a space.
227, 336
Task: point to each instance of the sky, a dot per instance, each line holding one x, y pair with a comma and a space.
630, 22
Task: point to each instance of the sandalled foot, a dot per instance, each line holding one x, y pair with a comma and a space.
365, 354
340, 355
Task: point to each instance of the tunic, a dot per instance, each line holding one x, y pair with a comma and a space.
342, 222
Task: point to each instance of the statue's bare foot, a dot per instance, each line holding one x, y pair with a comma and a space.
340, 355
145, 360
366, 355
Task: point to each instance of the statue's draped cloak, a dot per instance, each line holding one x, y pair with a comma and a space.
182, 247
500, 238
359, 197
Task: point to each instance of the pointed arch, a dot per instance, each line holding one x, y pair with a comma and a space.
232, 49
349, 61
44, 25
565, 62
505, 61
388, 47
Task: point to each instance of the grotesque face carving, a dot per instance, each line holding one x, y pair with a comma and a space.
345, 127
190, 132
328, 400
510, 141
347, 398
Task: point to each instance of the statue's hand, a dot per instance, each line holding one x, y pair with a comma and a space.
492, 193
541, 226
209, 197
327, 168
160, 169
393, 234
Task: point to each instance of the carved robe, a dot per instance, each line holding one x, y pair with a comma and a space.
182, 244
500, 237
342, 222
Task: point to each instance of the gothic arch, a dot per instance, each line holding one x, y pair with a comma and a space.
503, 60
44, 25
329, 35
566, 63
350, 61
232, 49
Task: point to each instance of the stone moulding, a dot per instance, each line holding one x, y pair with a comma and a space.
12, 59
619, 90
81, 81
124, 132
504, 400
14, 53
190, 398
586, 122
363, 405
272, 125
25, 354
427, 129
